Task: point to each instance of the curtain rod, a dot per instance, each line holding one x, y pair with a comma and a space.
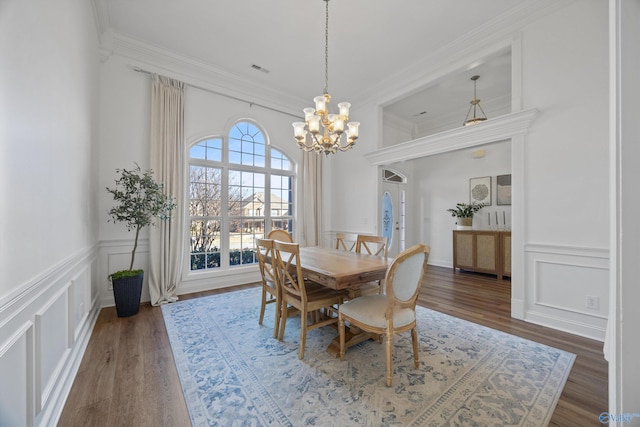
251, 103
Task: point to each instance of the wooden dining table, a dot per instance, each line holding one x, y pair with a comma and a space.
343, 270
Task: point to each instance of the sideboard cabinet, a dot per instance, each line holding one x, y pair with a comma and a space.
483, 251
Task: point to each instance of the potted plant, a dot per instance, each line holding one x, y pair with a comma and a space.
464, 212
139, 200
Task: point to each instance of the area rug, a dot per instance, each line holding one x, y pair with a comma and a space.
234, 373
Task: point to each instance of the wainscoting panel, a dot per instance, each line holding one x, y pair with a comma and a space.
568, 288
16, 371
52, 344
79, 302
45, 326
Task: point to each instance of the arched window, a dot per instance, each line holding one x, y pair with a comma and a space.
239, 189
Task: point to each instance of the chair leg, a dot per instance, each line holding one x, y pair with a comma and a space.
278, 310
283, 318
303, 333
263, 305
389, 356
341, 330
414, 339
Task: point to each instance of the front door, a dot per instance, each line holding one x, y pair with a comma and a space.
392, 215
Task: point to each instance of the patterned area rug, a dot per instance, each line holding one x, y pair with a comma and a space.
234, 373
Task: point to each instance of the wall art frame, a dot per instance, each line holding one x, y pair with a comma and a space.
503, 190
480, 190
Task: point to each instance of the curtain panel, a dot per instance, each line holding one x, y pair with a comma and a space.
167, 161
312, 203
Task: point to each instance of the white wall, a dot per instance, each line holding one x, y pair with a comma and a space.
442, 181
48, 138
350, 183
565, 76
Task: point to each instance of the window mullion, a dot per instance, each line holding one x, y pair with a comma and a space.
225, 244
267, 202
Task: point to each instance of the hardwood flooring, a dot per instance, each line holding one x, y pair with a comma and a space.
128, 378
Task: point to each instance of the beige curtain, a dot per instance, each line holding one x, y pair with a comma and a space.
167, 155
312, 190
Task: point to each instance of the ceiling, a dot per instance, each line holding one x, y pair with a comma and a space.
370, 43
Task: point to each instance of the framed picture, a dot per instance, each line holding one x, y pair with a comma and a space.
503, 184
480, 190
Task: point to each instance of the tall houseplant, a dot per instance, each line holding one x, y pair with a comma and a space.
464, 212
139, 200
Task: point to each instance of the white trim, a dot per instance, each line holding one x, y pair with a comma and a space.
492, 130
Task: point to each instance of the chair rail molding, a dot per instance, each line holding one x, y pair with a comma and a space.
492, 130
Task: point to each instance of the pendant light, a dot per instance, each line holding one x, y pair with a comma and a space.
321, 131
475, 104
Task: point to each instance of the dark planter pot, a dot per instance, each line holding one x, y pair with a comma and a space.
127, 292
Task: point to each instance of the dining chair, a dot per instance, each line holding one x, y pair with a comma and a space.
282, 235
306, 296
346, 241
394, 312
372, 245
270, 287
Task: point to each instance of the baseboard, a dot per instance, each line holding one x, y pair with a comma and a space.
562, 324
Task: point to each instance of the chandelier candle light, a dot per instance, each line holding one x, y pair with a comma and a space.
329, 139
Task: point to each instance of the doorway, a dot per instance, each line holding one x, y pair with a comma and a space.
393, 210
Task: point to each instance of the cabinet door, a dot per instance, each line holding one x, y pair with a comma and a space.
463, 250
487, 252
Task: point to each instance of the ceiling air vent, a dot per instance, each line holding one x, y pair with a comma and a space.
259, 68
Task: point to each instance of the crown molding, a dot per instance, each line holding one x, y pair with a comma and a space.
151, 58
492, 130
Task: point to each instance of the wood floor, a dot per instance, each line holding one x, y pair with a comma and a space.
128, 378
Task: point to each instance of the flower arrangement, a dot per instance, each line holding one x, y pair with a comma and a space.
466, 210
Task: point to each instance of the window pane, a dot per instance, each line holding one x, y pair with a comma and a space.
198, 152
243, 233
205, 244
246, 191
209, 149
279, 160
235, 145
245, 143
281, 196
205, 191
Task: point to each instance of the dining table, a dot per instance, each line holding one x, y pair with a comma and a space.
342, 270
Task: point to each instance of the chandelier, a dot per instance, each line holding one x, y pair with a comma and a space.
327, 140
475, 103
